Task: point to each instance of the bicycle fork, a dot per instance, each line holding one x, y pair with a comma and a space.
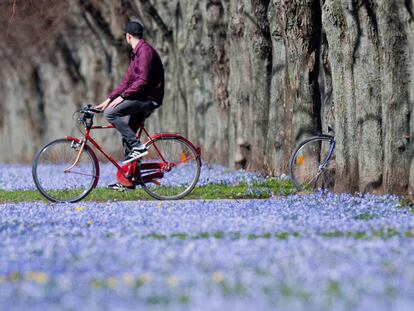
83, 142
324, 164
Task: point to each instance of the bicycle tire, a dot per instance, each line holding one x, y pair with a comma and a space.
311, 167
50, 178
180, 179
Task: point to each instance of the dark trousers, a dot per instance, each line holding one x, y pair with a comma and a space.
126, 117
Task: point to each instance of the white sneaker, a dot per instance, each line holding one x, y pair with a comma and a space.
120, 187
135, 154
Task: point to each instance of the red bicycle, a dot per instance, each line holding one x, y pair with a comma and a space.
67, 169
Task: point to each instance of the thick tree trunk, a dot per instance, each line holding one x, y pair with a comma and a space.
370, 57
250, 68
295, 105
246, 79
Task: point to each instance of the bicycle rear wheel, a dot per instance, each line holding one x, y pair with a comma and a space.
171, 169
55, 177
313, 165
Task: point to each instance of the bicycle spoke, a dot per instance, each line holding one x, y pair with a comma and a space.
59, 185
179, 173
83, 174
309, 164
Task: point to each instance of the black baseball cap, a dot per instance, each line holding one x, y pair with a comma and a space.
134, 28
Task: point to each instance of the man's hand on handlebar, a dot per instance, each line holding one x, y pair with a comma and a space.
115, 102
103, 105
88, 111
108, 104
94, 110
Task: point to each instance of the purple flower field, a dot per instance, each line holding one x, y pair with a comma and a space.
314, 252
19, 177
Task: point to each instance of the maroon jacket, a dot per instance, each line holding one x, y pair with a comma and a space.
144, 78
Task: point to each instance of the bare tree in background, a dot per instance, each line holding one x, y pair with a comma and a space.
31, 25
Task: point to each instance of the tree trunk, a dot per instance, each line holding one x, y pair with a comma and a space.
296, 102
245, 79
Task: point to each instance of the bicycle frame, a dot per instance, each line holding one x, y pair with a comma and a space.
332, 141
141, 130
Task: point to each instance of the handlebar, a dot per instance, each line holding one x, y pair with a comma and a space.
89, 109
95, 110
86, 116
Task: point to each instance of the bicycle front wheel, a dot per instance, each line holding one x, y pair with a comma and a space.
57, 174
313, 165
171, 169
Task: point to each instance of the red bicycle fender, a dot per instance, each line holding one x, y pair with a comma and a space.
198, 150
73, 138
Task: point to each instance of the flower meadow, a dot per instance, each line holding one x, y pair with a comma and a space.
301, 252
19, 177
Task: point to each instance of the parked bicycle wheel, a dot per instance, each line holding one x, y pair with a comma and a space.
171, 169
58, 177
313, 164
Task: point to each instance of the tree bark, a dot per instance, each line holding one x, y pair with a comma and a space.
245, 79
296, 27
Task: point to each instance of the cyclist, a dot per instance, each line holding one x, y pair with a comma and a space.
140, 92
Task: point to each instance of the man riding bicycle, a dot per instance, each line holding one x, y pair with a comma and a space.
140, 92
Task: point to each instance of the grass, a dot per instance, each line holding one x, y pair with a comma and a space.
365, 216
383, 233
262, 190
407, 201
